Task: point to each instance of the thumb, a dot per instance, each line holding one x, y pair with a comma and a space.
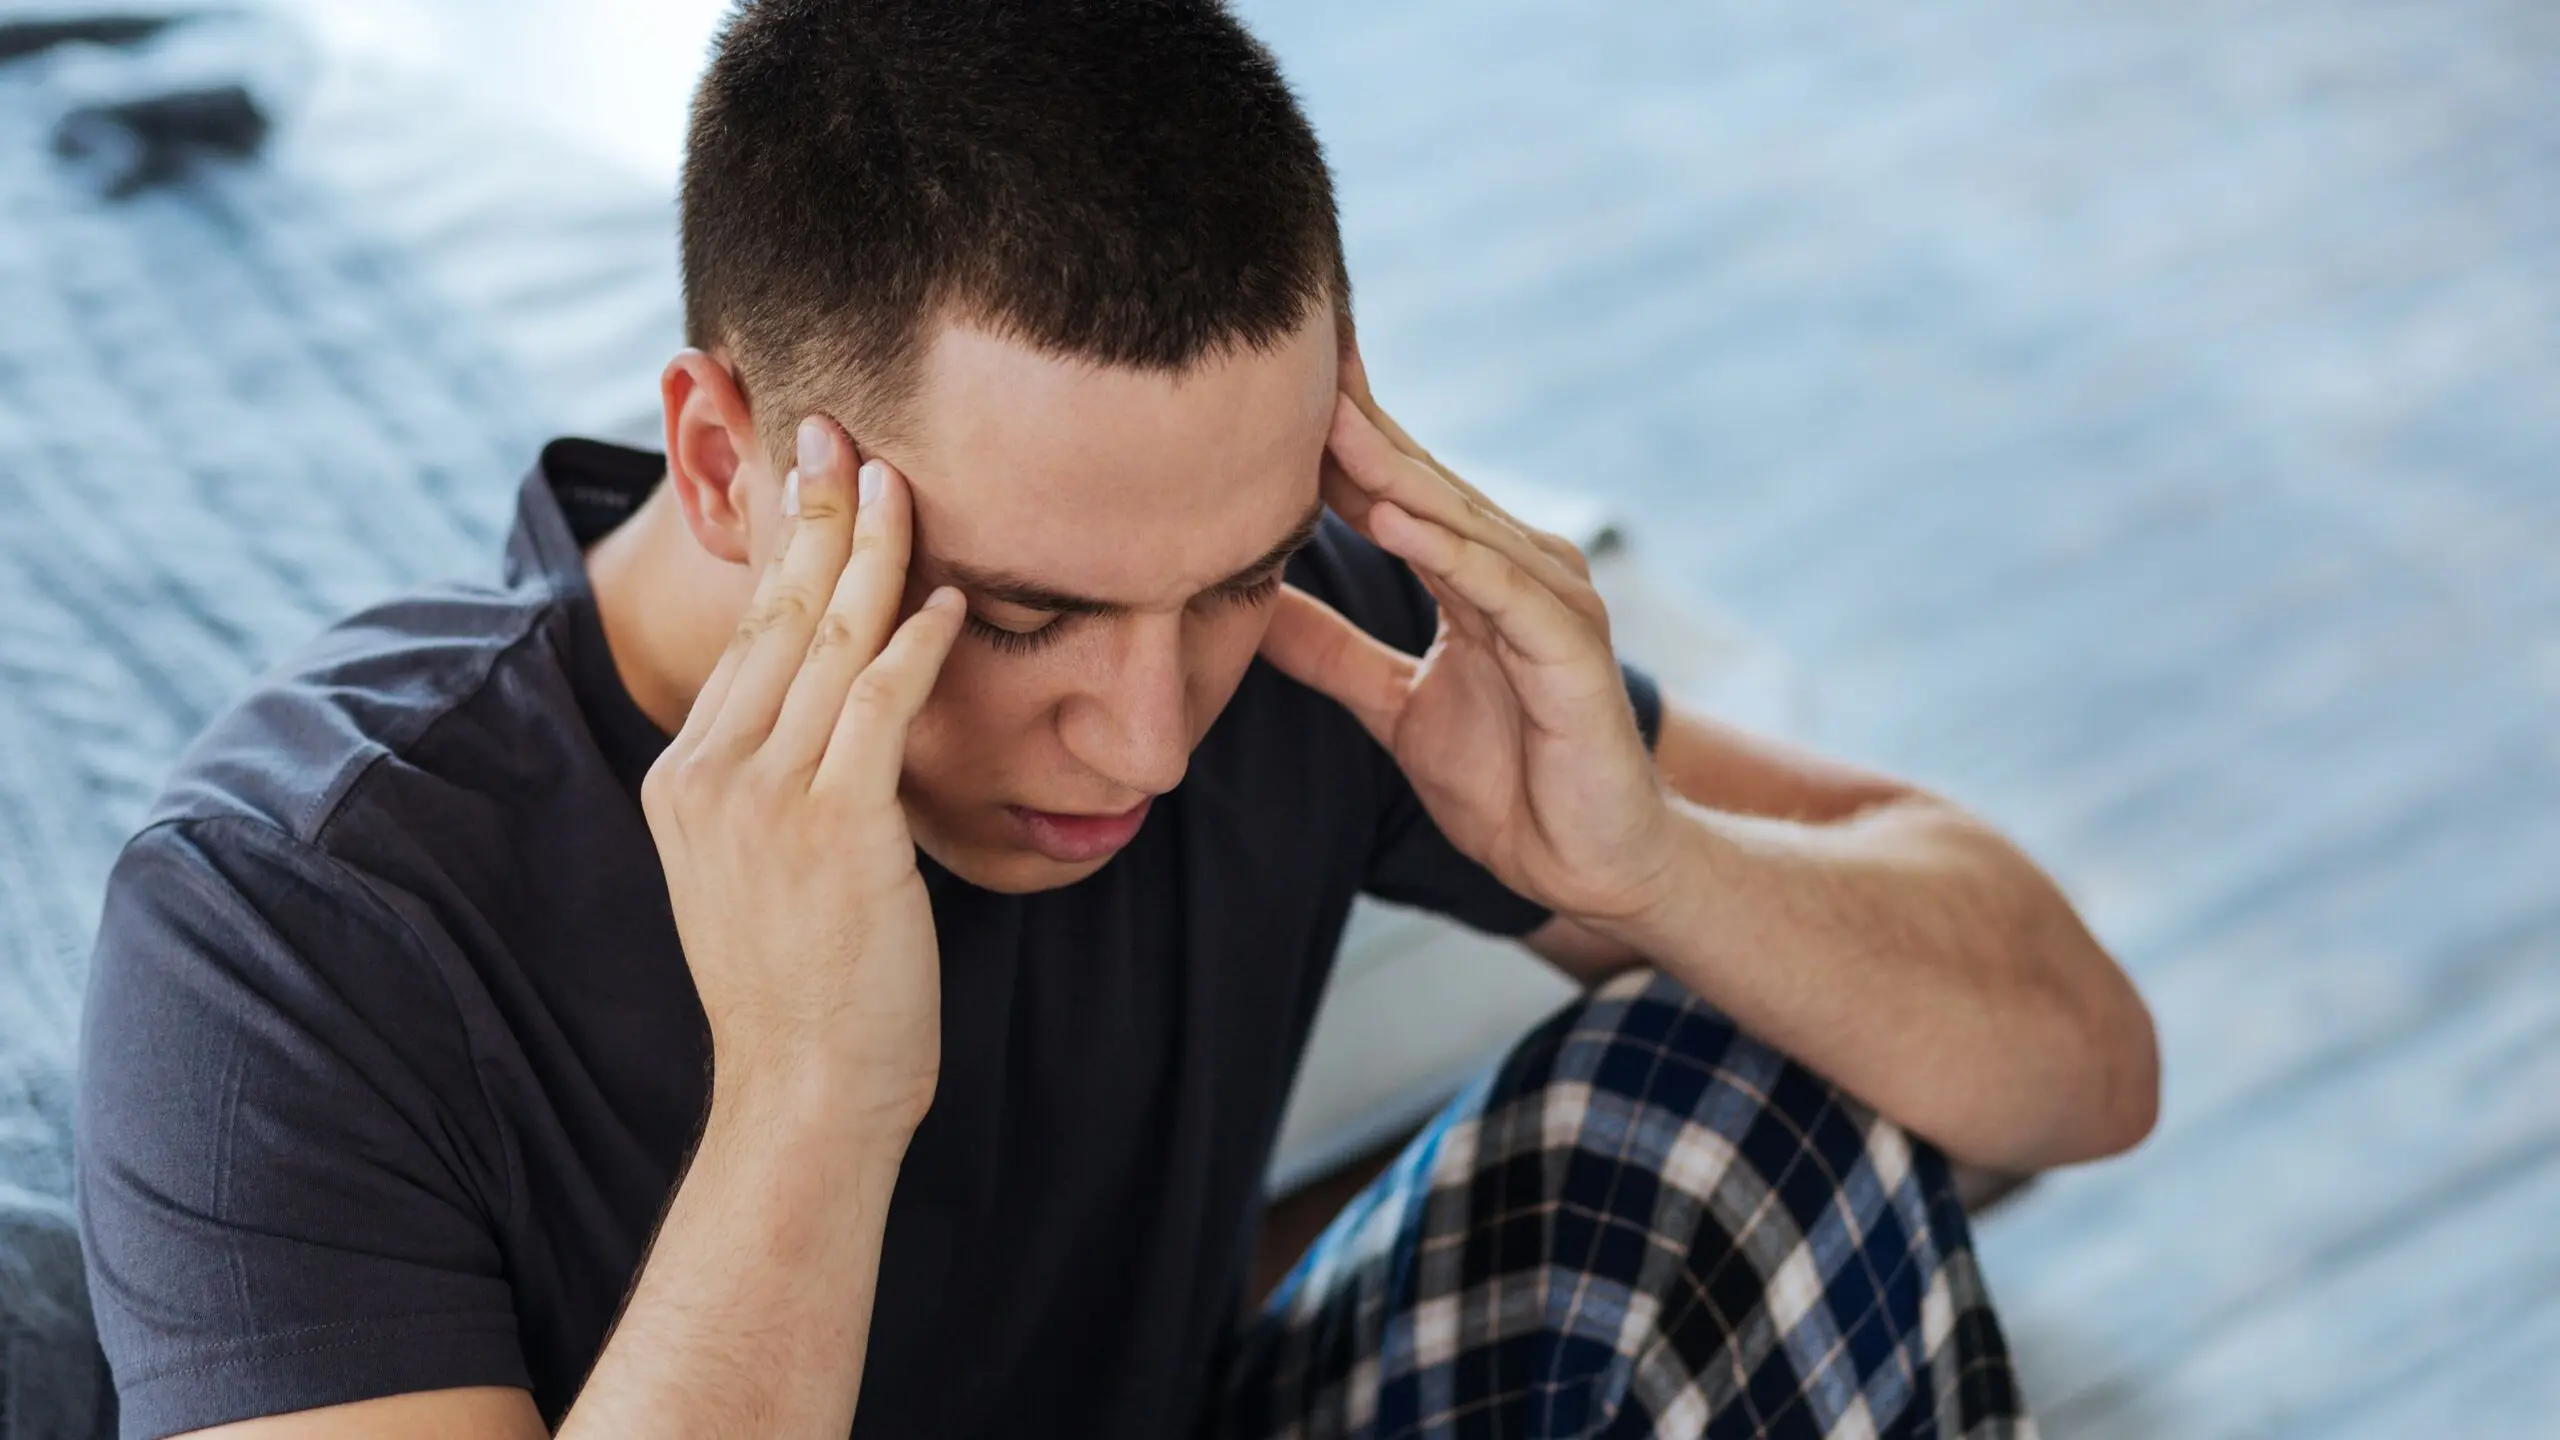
1311, 643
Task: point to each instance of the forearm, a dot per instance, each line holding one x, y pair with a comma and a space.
1921, 963
752, 1313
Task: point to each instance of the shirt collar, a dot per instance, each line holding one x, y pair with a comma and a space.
577, 492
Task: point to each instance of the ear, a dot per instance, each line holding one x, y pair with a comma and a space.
714, 461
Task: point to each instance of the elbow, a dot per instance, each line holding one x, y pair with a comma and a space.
2073, 1100
2122, 1087
2088, 1083
2099, 1061
2085, 1090
2130, 1109
2108, 1048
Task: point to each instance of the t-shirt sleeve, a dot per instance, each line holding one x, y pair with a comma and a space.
281, 1204
1412, 862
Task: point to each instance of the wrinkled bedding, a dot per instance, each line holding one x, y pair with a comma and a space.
226, 415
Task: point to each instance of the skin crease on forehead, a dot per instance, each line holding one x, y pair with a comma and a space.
1142, 489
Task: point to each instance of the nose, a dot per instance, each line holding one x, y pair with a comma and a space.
1133, 726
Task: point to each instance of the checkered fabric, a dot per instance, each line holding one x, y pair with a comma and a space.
1642, 1223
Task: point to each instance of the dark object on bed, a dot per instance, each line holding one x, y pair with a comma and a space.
134, 97
133, 143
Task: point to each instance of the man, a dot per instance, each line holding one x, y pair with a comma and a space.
827, 942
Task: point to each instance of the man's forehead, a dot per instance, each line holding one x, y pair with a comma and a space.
1109, 572
981, 389
1113, 483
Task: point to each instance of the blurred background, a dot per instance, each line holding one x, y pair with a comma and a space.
2138, 420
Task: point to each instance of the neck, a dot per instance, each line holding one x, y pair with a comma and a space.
668, 607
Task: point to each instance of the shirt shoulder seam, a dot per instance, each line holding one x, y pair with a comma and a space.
329, 802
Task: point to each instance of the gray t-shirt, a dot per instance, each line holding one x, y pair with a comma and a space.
391, 1056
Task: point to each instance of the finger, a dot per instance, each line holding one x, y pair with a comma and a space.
1387, 425
1565, 551
1311, 643
868, 747
1373, 463
857, 619
1530, 618
708, 701
1373, 460
1342, 494
1353, 504
1355, 383
1346, 497
1461, 616
1354, 380
1396, 434
794, 593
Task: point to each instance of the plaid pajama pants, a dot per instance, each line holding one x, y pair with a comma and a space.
1642, 1223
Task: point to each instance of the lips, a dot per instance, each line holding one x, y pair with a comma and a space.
1077, 839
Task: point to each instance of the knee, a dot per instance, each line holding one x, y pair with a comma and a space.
1643, 1074
1644, 1218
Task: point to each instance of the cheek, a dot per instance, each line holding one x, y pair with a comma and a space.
981, 723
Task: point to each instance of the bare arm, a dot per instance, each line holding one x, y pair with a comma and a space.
481, 1414
1896, 944
810, 939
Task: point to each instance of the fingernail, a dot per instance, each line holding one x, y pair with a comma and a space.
791, 494
874, 476
813, 446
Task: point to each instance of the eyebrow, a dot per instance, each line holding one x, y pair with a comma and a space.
1030, 594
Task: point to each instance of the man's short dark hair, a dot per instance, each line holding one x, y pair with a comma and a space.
1125, 181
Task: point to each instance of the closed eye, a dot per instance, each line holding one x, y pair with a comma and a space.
1015, 642
1251, 592
1009, 641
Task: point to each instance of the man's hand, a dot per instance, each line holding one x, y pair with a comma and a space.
1880, 935
776, 812
811, 941
1514, 726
